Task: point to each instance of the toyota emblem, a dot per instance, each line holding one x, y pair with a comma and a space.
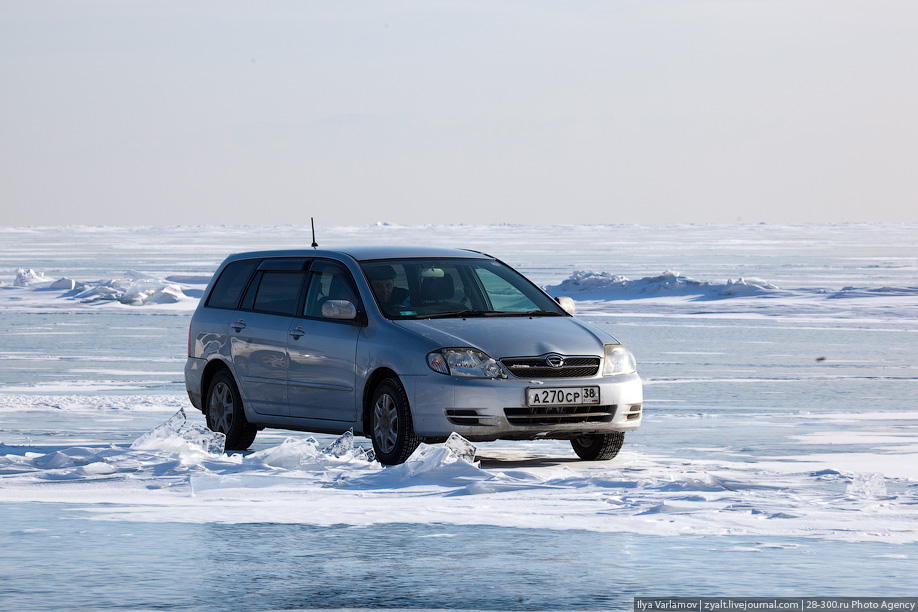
554, 360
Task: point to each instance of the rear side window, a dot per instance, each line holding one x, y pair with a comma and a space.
229, 287
278, 292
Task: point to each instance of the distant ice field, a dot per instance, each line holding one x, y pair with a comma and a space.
788, 256
780, 433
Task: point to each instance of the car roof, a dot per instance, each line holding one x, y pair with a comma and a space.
367, 253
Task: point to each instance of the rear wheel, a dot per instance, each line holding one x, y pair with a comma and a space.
390, 423
598, 447
225, 413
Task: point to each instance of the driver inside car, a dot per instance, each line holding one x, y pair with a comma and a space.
382, 282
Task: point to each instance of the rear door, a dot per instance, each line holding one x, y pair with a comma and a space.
258, 337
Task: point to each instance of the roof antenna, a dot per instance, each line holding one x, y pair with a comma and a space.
315, 244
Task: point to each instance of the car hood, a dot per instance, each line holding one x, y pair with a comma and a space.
501, 337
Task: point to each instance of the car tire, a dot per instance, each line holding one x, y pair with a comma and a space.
225, 413
598, 447
391, 429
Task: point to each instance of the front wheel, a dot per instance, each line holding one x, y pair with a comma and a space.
225, 413
390, 423
598, 447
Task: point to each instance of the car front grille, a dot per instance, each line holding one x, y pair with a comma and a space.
538, 367
559, 415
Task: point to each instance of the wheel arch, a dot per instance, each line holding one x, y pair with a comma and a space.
378, 375
211, 370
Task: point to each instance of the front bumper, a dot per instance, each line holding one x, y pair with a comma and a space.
484, 409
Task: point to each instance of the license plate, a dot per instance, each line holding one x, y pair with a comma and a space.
562, 396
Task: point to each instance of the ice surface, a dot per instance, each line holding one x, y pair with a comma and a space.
292, 454
180, 436
870, 486
63, 284
110, 404
132, 289
812, 265
148, 291
27, 276
639, 494
752, 446
341, 447
460, 447
604, 285
615, 286
167, 477
307, 454
747, 286
599, 290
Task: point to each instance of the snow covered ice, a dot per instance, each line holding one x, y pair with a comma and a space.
780, 368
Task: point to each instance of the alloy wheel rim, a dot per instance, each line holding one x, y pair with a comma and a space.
385, 423
221, 407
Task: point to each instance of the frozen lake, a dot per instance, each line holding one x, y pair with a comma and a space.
777, 455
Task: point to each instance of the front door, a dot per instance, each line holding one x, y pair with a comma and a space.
321, 367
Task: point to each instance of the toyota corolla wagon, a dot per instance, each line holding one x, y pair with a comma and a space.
403, 345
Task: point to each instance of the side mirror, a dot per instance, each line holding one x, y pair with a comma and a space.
339, 309
566, 303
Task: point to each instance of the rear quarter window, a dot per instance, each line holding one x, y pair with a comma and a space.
232, 282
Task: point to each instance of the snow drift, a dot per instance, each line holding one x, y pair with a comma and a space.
613, 286
34, 289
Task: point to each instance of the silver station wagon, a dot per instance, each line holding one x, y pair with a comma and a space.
403, 345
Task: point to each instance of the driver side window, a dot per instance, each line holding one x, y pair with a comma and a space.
328, 281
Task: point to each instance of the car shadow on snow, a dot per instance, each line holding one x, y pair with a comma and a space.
523, 460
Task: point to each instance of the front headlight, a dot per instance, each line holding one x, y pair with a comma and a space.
617, 360
464, 362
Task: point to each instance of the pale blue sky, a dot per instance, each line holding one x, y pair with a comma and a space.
711, 111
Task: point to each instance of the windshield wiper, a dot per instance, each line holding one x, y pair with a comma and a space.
467, 314
464, 314
532, 313
542, 313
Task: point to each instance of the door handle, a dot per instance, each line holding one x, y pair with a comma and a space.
238, 325
297, 333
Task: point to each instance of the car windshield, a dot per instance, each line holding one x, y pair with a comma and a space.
424, 288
